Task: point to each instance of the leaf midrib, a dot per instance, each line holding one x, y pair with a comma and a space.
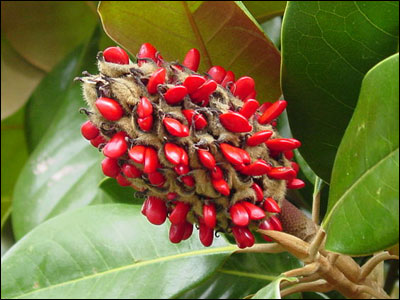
218, 250
354, 184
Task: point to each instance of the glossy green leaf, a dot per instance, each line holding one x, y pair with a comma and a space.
13, 156
64, 170
106, 251
120, 194
272, 291
264, 10
222, 31
19, 76
243, 274
7, 238
272, 29
363, 212
327, 48
43, 32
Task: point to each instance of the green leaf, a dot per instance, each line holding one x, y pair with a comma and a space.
222, 31
21, 79
272, 29
272, 291
13, 156
243, 274
264, 10
7, 238
64, 170
327, 48
120, 194
43, 32
363, 211
106, 251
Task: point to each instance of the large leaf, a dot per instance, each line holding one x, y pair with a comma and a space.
63, 171
243, 274
272, 290
43, 32
222, 31
106, 251
18, 76
265, 10
13, 156
120, 194
363, 212
327, 48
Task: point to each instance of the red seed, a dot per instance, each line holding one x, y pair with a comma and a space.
173, 153
192, 59
232, 154
209, 215
176, 232
188, 180
282, 173
217, 173
206, 234
239, 215
252, 95
264, 106
235, 122
188, 231
221, 186
295, 183
295, 167
171, 196
206, 159
275, 223
89, 130
255, 213
145, 123
136, 153
144, 108
109, 108
110, 167
266, 225
280, 145
147, 50
243, 236
122, 181
193, 82
182, 169
117, 146
259, 192
259, 137
272, 112
243, 87
175, 128
156, 178
116, 55
175, 94
229, 78
199, 121
178, 214
98, 140
270, 205
249, 108
131, 171
258, 168
150, 160
289, 154
144, 207
157, 78
217, 73
156, 210
185, 158
203, 93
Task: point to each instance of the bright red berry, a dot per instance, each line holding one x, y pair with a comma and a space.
157, 78
192, 59
116, 55
117, 146
110, 167
239, 215
89, 130
235, 122
109, 108
156, 211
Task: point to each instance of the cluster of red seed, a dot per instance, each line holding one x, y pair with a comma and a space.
170, 132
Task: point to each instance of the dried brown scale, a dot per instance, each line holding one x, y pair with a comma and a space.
127, 84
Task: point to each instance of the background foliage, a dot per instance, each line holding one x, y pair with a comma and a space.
80, 235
